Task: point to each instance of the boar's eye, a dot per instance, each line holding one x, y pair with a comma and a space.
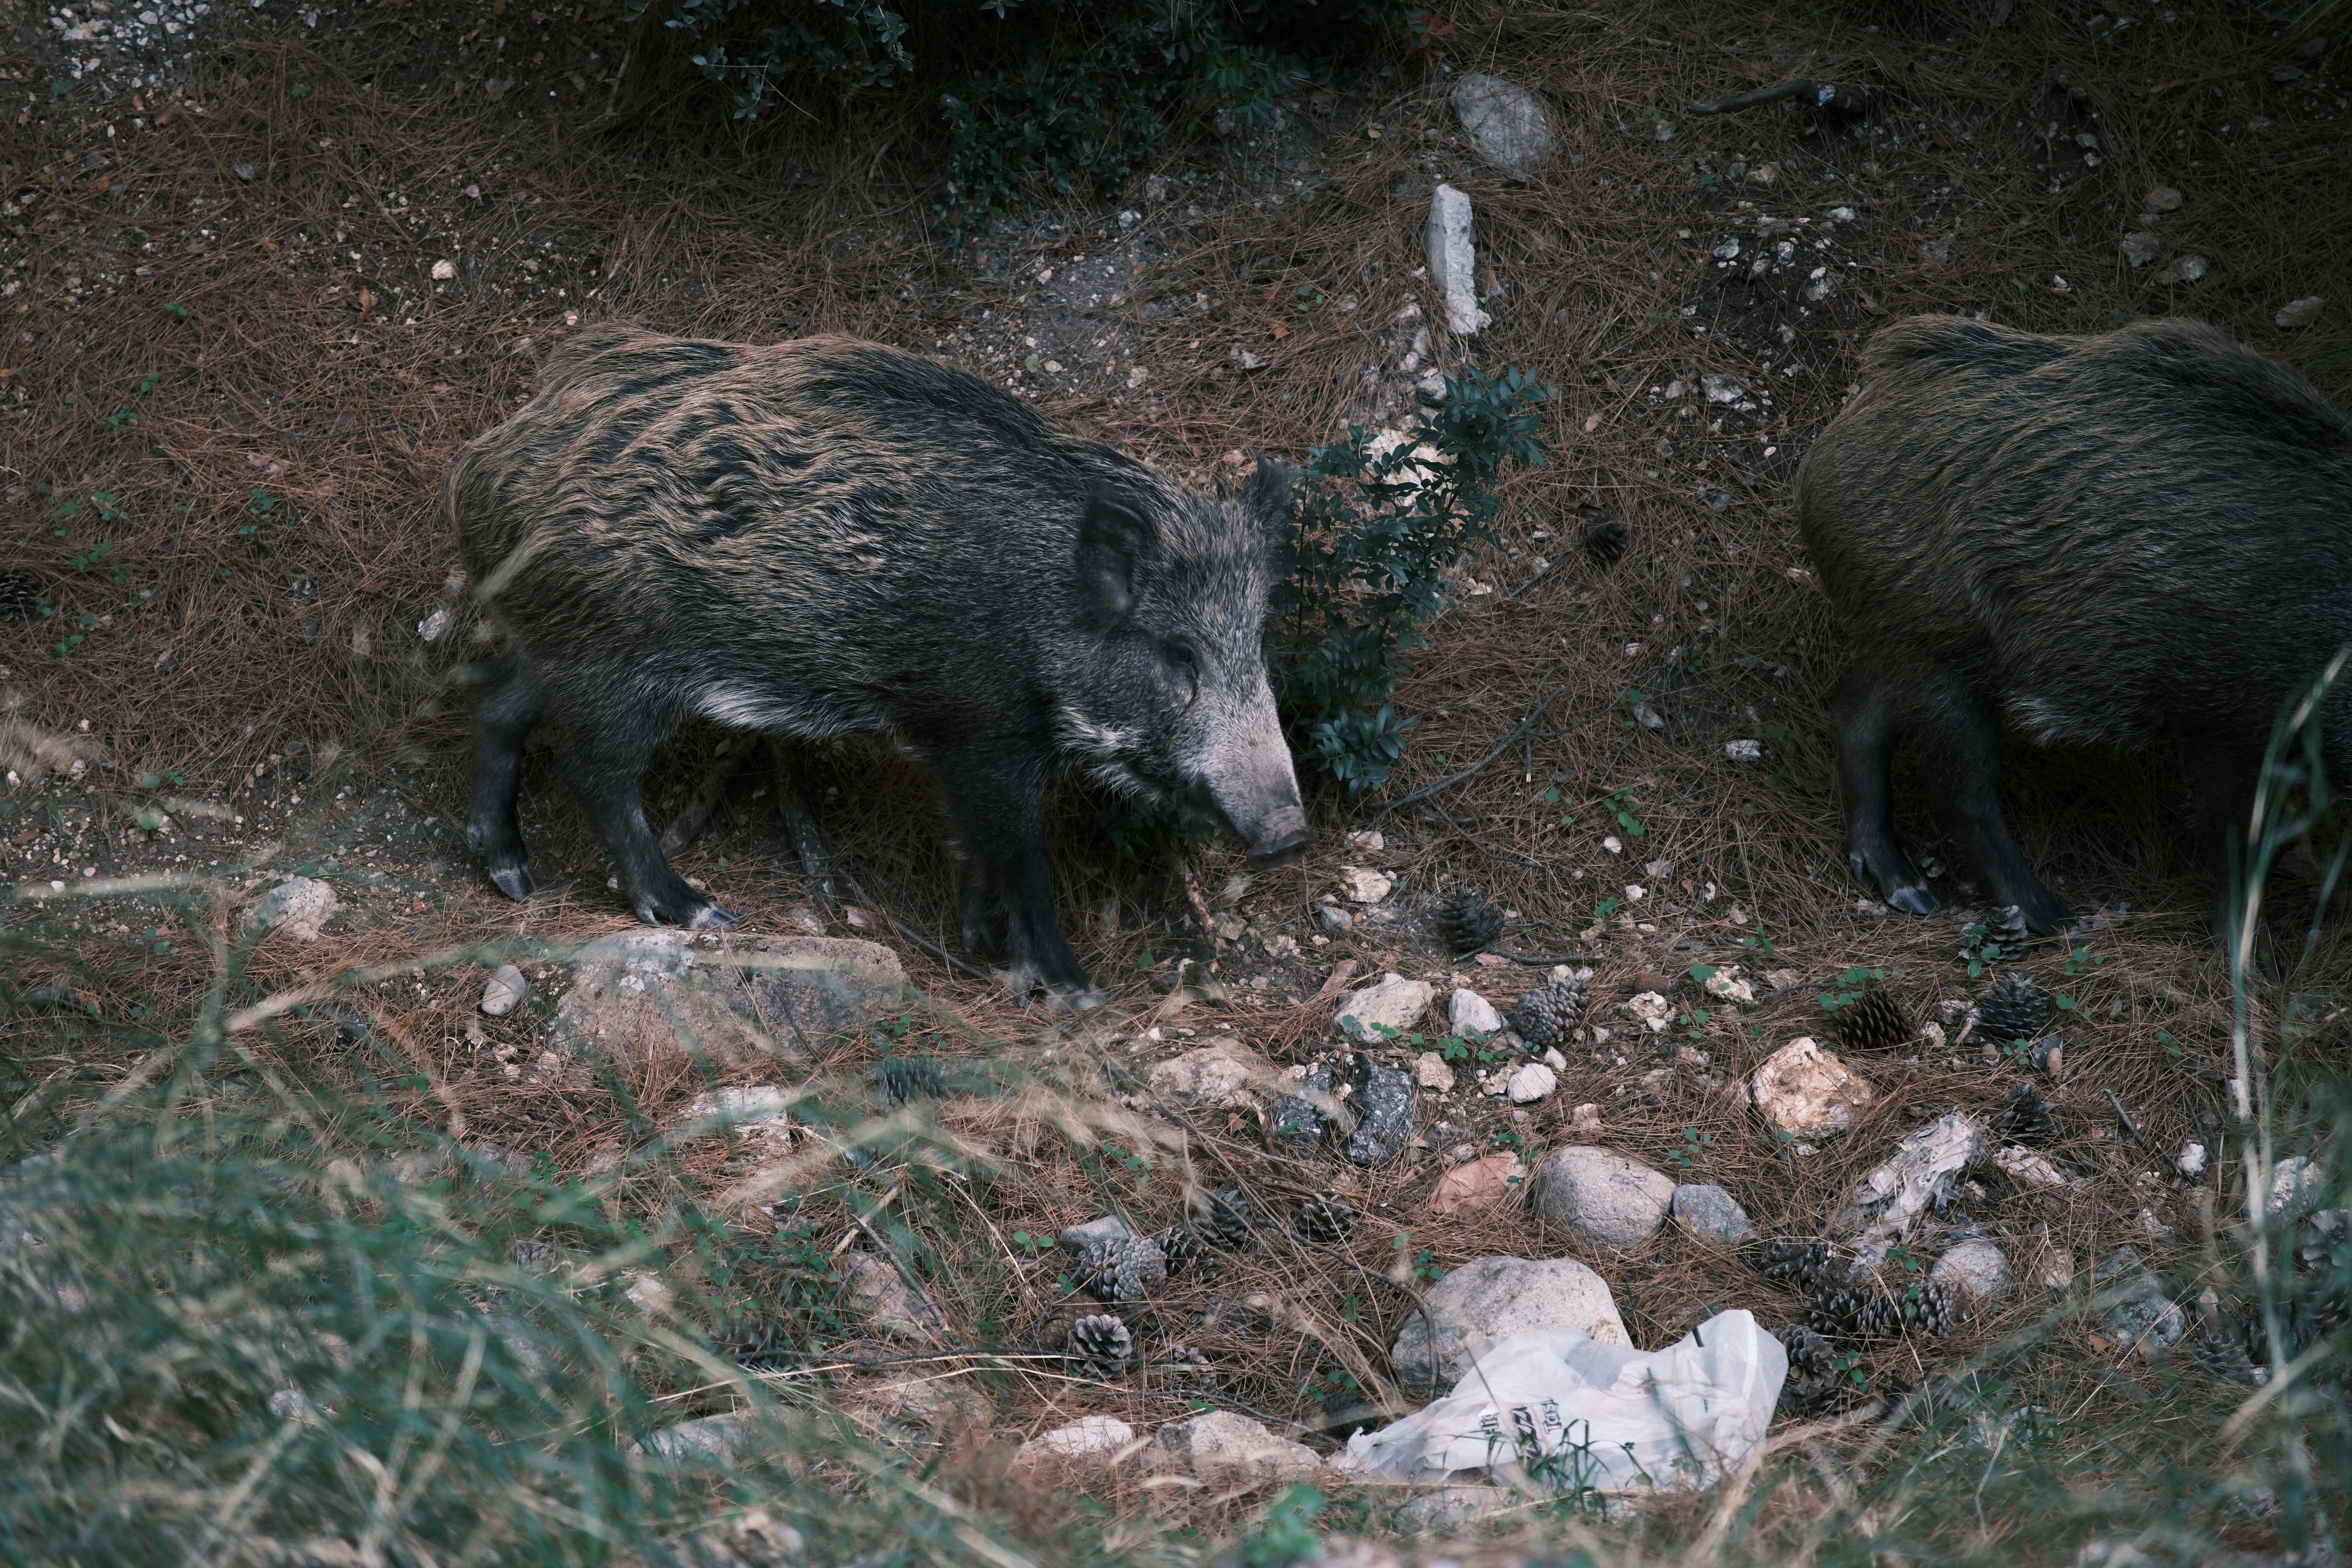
1185, 663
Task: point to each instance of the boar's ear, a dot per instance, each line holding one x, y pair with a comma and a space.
1267, 494
1113, 539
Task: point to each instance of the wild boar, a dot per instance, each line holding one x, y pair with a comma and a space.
2138, 538
827, 536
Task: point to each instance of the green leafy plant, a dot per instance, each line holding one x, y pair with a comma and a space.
1978, 948
1287, 1536
1619, 805
1848, 988
1693, 1144
1379, 521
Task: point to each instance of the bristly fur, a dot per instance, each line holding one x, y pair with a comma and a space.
826, 537
2115, 539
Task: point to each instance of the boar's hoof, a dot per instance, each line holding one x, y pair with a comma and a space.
515, 882
1078, 999
1914, 900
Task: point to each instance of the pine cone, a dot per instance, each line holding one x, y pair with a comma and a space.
1815, 1382
1873, 1023
1931, 1309
1806, 1266
19, 592
1467, 923
1227, 1219
1122, 1267
1102, 1342
1186, 1252
1861, 1311
2028, 1119
1328, 1219
1605, 540
2010, 1009
1545, 1015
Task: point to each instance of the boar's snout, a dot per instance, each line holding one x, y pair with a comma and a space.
1279, 836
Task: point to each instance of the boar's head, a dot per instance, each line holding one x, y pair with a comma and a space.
1167, 693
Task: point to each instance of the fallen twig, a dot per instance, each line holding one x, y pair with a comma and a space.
1500, 746
1827, 97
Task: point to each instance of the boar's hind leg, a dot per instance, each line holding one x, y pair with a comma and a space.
608, 774
1962, 763
998, 806
1864, 717
2224, 776
505, 708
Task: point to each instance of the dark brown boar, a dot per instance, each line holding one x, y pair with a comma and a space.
2137, 538
828, 537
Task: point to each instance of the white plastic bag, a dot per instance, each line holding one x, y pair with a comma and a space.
1556, 1410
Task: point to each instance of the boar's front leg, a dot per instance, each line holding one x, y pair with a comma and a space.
1863, 713
1961, 741
996, 800
608, 774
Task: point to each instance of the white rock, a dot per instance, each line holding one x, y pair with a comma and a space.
2190, 1161
444, 270
1744, 751
2140, 248
504, 991
1730, 984
1585, 1117
1394, 1004
1976, 1268
431, 627
1208, 1077
1554, 1060
2182, 270
880, 1293
1495, 1297
1654, 1011
1607, 1198
300, 907
1090, 1437
1505, 122
2296, 1183
2162, 199
1229, 1451
1364, 885
754, 1114
2301, 314
1368, 839
1806, 1093
1454, 261
1531, 1083
1471, 1015
640, 994
649, 1293
1721, 388
1430, 1071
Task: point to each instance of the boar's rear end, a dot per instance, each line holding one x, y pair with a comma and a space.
826, 537
2140, 537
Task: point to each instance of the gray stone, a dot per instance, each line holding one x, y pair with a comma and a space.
1604, 1197
1228, 1451
1109, 1227
880, 1293
1297, 1122
2297, 1183
2145, 1315
1381, 1099
1710, 1214
1492, 1299
504, 991
1454, 261
710, 1438
1505, 122
1472, 1016
644, 994
1377, 1013
298, 907
1976, 1268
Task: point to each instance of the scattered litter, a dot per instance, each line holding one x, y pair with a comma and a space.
2301, 314
1556, 1403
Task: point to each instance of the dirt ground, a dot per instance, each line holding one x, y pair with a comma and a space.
266, 270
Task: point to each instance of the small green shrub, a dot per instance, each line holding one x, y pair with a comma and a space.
1379, 520
1031, 89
